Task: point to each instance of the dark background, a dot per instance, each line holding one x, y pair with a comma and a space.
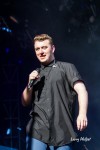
75, 28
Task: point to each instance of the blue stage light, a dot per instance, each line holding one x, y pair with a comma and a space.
18, 128
6, 29
3, 28
8, 131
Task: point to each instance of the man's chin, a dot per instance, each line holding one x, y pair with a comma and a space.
45, 62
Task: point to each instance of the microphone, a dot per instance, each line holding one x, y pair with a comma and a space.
32, 81
30, 84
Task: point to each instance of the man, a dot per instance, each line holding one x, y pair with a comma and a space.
51, 90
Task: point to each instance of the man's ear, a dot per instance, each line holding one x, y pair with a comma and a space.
53, 48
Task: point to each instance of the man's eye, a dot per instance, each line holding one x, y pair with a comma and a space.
36, 49
44, 47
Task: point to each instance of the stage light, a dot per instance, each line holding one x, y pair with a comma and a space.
8, 132
3, 28
6, 29
13, 19
18, 128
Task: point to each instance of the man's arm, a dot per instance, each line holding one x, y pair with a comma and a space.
26, 96
80, 89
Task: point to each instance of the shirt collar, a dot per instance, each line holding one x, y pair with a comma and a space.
49, 65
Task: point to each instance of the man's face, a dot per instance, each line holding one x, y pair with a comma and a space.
44, 51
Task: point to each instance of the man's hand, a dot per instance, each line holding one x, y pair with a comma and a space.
34, 75
82, 122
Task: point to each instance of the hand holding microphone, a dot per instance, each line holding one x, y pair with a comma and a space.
32, 78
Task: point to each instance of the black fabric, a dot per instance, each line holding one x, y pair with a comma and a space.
53, 103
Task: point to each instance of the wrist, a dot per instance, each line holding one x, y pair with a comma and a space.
28, 88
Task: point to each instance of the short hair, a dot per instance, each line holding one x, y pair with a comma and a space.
42, 37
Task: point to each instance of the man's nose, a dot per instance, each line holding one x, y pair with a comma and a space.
41, 50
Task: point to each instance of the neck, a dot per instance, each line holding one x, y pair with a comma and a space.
47, 63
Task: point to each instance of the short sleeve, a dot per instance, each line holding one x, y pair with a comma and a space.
72, 74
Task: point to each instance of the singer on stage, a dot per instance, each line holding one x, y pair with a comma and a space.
51, 91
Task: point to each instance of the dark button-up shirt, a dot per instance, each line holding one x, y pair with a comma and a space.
53, 100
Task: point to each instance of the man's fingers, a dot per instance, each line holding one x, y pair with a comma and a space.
34, 75
81, 124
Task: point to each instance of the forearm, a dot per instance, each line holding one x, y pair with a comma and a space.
26, 96
82, 97
83, 102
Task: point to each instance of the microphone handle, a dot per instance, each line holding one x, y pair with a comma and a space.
30, 84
